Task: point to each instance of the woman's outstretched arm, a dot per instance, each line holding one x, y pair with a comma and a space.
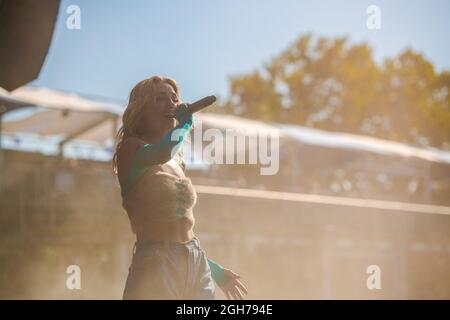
167, 147
217, 272
227, 280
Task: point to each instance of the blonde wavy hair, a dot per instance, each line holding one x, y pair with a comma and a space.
142, 97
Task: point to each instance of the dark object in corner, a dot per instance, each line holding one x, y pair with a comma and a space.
26, 29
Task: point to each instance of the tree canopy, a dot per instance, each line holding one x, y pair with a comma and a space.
334, 85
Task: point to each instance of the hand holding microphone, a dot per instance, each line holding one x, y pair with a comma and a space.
184, 110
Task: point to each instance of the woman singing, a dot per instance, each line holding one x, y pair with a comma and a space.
168, 261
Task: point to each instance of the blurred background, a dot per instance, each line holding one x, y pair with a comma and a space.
360, 98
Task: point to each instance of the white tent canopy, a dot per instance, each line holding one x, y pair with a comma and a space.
339, 140
57, 113
50, 98
72, 117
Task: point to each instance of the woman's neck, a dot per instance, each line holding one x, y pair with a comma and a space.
153, 138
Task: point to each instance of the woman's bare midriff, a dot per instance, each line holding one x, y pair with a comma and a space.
180, 230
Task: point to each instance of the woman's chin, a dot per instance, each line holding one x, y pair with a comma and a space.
170, 124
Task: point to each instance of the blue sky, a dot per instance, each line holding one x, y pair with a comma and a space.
201, 43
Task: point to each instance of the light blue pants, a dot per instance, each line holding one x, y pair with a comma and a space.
167, 270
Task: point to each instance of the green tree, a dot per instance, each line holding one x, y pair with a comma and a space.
334, 85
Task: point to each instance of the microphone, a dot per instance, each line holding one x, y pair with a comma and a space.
186, 109
200, 104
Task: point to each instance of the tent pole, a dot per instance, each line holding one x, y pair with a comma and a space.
115, 121
1, 116
1, 136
